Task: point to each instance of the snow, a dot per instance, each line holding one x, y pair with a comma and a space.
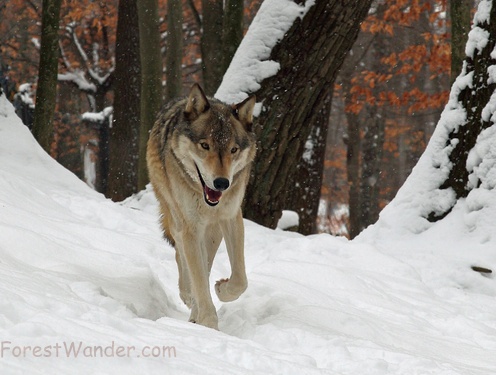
90, 286
289, 219
483, 12
25, 94
478, 37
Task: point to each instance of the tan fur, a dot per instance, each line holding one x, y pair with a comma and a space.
176, 148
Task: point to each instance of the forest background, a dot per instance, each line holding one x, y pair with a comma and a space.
386, 99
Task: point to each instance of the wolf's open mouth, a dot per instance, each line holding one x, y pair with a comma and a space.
211, 196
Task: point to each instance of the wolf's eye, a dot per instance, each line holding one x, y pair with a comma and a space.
234, 150
205, 146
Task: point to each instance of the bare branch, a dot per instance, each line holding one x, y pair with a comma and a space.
196, 15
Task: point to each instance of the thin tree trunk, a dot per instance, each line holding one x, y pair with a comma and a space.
372, 150
151, 78
233, 30
211, 45
47, 75
174, 54
353, 137
372, 143
307, 183
104, 155
353, 171
124, 133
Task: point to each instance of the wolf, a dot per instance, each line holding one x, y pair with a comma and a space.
199, 158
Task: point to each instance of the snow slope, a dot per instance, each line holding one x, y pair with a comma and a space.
89, 287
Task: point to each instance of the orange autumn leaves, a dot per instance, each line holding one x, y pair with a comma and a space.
431, 53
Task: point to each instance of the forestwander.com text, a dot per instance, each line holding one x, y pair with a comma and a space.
78, 349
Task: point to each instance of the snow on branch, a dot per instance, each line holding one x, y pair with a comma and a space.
89, 79
77, 77
251, 64
71, 32
98, 117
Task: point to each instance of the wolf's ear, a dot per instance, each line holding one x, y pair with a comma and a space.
244, 111
197, 102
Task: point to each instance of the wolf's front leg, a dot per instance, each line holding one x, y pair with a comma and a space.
184, 283
195, 259
234, 234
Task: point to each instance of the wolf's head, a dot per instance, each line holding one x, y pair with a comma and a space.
215, 142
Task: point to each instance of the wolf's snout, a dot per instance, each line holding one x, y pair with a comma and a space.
221, 184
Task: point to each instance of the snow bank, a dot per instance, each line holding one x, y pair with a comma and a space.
89, 286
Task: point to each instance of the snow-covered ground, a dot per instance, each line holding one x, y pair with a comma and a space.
89, 287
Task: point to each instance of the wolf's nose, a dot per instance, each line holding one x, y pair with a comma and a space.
221, 184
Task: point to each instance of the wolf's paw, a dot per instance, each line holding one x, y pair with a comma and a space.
187, 299
193, 316
208, 321
227, 291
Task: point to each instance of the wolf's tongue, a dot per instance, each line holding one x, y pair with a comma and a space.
212, 195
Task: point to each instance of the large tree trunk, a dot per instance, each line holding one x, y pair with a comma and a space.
151, 78
174, 53
310, 56
47, 75
124, 133
473, 97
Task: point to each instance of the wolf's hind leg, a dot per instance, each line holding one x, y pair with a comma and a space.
230, 289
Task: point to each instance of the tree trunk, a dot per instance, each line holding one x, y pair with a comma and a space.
233, 30
151, 78
372, 149
460, 15
373, 139
103, 155
211, 45
307, 180
473, 98
352, 139
124, 133
174, 54
353, 171
310, 56
47, 75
